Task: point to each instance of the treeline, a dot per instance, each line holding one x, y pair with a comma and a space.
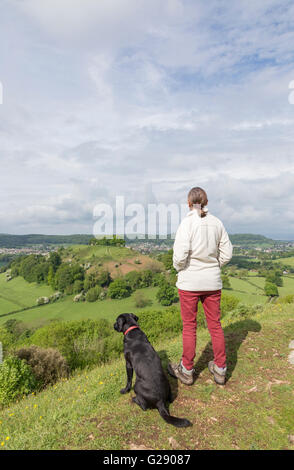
244, 263
19, 241
114, 241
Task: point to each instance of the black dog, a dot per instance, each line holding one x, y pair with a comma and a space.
152, 387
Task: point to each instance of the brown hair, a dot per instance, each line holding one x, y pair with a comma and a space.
198, 196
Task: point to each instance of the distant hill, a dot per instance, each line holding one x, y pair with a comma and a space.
18, 241
251, 240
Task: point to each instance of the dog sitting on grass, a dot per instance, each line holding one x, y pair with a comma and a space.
151, 387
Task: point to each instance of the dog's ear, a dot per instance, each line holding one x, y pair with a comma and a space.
134, 317
119, 323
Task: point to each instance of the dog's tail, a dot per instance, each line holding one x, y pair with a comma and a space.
178, 422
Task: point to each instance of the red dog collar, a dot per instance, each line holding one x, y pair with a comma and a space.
129, 329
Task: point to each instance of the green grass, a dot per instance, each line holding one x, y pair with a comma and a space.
251, 289
287, 288
289, 261
255, 410
66, 309
104, 253
246, 292
17, 294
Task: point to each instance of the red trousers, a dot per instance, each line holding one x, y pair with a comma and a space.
211, 305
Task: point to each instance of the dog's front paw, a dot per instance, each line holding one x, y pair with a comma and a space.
125, 390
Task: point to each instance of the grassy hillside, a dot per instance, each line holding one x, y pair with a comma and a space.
66, 309
118, 260
18, 294
251, 240
255, 410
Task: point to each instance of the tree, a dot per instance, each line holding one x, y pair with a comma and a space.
271, 290
51, 277
119, 289
54, 260
166, 294
274, 277
98, 278
93, 294
133, 279
167, 260
78, 286
147, 278
66, 275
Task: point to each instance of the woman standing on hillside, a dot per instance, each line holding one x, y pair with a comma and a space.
201, 247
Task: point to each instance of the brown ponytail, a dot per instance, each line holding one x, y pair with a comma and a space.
198, 196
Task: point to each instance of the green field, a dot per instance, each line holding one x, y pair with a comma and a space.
247, 293
66, 309
289, 261
18, 294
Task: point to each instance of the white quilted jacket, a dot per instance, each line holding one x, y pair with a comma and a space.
201, 247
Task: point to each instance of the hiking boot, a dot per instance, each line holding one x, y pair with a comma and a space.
176, 370
219, 374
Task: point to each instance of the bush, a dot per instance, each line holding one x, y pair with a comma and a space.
93, 294
47, 365
7, 338
66, 275
42, 300
245, 311
16, 327
133, 279
226, 281
78, 286
154, 266
271, 289
119, 289
16, 379
228, 303
100, 277
158, 279
287, 299
166, 294
140, 300
158, 324
147, 278
81, 342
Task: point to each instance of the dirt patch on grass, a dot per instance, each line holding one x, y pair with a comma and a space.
129, 264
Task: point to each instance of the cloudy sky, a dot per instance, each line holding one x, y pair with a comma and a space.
145, 99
